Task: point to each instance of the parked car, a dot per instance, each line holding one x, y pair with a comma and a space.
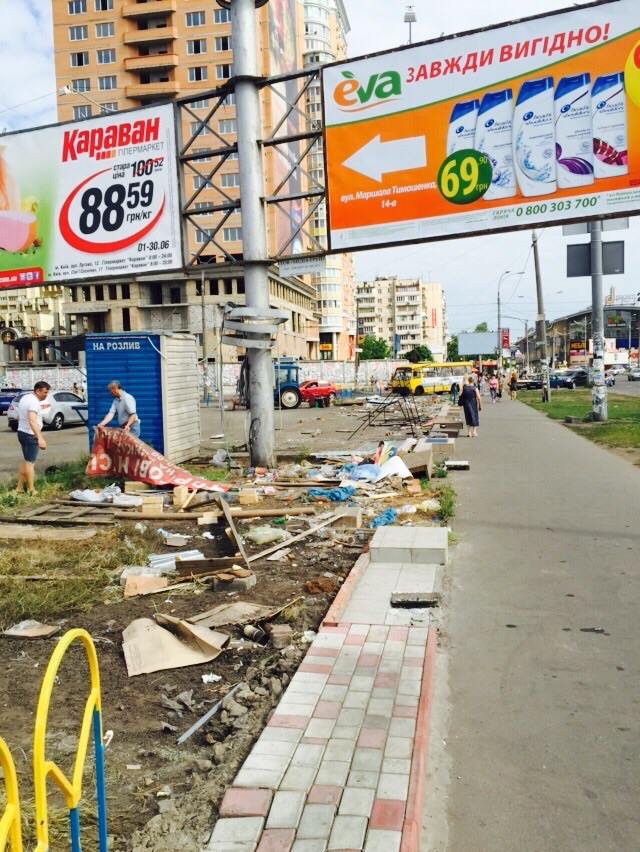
533, 382
634, 375
580, 377
57, 410
315, 392
6, 397
561, 380
617, 369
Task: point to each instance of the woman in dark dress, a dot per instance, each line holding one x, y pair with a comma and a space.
471, 402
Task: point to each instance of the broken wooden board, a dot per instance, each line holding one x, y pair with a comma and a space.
194, 567
53, 514
288, 542
238, 612
26, 532
229, 518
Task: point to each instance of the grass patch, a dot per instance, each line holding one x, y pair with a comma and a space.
56, 482
446, 495
622, 430
86, 570
212, 474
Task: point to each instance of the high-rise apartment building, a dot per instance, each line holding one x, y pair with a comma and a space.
406, 312
112, 55
325, 30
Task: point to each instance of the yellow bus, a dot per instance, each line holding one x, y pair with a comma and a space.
430, 377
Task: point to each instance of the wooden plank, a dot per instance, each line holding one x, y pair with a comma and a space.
297, 538
196, 567
227, 513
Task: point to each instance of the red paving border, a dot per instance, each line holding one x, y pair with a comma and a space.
411, 829
341, 600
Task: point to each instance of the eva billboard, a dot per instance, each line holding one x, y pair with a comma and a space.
90, 199
524, 124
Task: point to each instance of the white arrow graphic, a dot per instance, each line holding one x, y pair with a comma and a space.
377, 158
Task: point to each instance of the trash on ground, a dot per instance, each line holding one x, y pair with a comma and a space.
279, 555
211, 678
265, 535
385, 518
31, 629
143, 584
335, 495
149, 646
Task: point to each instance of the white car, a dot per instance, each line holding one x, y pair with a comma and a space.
57, 410
617, 370
634, 375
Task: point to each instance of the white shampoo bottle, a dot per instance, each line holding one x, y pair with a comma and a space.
574, 131
609, 104
534, 142
462, 126
494, 138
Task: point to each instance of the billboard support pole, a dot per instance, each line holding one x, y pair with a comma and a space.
254, 236
541, 326
599, 408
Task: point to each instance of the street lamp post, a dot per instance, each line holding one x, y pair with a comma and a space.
410, 18
504, 275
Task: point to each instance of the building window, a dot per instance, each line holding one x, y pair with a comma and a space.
228, 125
106, 57
222, 16
106, 83
77, 7
232, 156
109, 106
199, 181
223, 72
78, 33
126, 319
104, 5
232, 235
99, 293
203, 235
82, 111
201, 104
196, 45
229, 100
201, 205
198, 74
199, 129
80, 59
223, 43
126, 291
195, 19
74, 293
81, 85
230, 179
105, 30
113, 292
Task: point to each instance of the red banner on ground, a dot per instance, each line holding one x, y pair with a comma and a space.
118, 453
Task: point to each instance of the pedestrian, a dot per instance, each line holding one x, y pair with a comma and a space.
454, 392
471, 402
500, 386
30, 410
124, 407
493, 389
513, 385
77, 389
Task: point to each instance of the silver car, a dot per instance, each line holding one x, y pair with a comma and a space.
57, 410
634, 375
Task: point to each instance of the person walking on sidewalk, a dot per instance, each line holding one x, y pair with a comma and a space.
493, 389
454, 392
124, 406
513, 385
471, 402
30, 410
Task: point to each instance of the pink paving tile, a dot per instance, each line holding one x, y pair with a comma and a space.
321, 794
335, 628
239, 802
368, 660
372, 738
324, 652
276, 840
387, 679
284, 721
398, 634
314, 741
314, 669
339, 680
415, 663
403, 712
355, 639
387, 814
327, 710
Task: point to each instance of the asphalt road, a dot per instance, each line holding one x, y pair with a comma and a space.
623, 385
534, 742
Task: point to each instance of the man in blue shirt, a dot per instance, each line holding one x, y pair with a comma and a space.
124, 408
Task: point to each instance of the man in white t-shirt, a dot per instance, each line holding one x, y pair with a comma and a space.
30, 434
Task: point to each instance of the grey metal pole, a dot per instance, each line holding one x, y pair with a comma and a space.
541, 326
526, 336
599, 406
254, 236
205, 355
499, 342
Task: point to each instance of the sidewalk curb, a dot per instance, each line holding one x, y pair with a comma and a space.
411, 828
341, 600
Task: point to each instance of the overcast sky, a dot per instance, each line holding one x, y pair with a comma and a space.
469, 269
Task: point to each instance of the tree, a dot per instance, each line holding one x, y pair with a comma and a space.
374, 348
482, 326
452, 349
418, 353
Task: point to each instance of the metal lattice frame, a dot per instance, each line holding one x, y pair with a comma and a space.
295, 148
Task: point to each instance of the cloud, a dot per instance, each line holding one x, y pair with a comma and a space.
26, 67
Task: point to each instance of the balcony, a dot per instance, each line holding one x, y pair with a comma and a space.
145, 10
152, 90
157, 62
151, 36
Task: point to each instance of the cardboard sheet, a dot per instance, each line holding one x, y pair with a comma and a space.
150, 647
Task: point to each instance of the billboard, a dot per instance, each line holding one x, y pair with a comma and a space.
525, 124
477, 343
90, 199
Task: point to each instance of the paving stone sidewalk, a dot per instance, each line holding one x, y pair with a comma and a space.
331, 770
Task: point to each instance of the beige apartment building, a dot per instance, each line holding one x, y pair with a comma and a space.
112, 55
326, 26
406, 312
